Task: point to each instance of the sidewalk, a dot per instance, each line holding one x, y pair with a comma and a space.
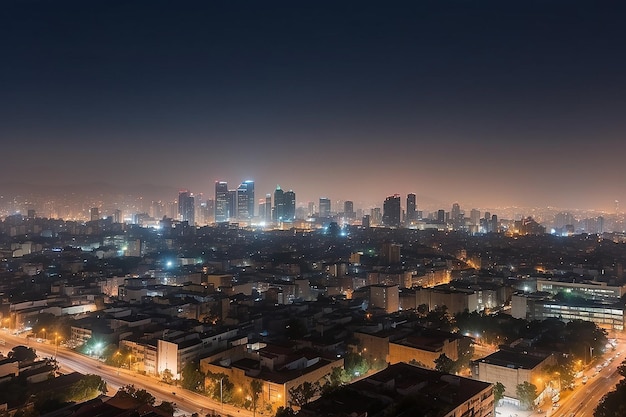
509, 410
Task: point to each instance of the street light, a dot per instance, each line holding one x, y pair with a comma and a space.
119, 361
56, 345
222, 392
44, 332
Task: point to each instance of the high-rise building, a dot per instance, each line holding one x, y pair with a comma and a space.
376, 216
186, 207
391, 211
268, 208
290, 205
441, 216
279, 205
456, 216
311, 208
232, 204
411, 206
475, 217
324, 207
94, 213
348, 210
365, 222
221, 201
245, 200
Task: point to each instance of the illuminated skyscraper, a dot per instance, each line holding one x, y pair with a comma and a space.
186, 207
221, 201
279, 205
268, 208
391, 211
245, 200
290, 205
411, 213
324, 207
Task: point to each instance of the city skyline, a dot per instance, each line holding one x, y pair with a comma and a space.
484, 104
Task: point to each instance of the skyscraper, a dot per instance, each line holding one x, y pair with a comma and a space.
279, 204
324, 207
94, 213
245, 200
411, 213
268, 208
186, 207
232, 204
348, 210
290, 205
391, 211
221, 201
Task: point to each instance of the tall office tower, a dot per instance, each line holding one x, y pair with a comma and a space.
475, 217
376, 216
268, 208
391, 211
232, 204
441, 216
117, 216
210, 208
94, 214
411, 207
365, 222
311, 207
348, 210
279, 205
186, 207
290, 205
455, 216
221, 201
487, 222
494, 224
245, 200
261, 205
324, 207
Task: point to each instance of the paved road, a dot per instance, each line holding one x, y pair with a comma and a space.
582, 401
187, 402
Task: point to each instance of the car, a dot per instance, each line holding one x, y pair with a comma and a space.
585, 379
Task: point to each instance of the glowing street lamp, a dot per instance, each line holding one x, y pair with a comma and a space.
56, 345
119, 361
44, 332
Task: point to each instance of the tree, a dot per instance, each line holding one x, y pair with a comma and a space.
285, 412
613, 404
256, 388
219, 387
526, 392
167, 407
193, 378
141, 395
22, 353
303, 393
90, 386
167, 376
444, 364
498, 391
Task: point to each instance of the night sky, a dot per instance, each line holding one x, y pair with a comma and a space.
484, 103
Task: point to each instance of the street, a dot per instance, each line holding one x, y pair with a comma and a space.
187, 402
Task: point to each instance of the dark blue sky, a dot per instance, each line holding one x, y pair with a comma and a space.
486, 103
